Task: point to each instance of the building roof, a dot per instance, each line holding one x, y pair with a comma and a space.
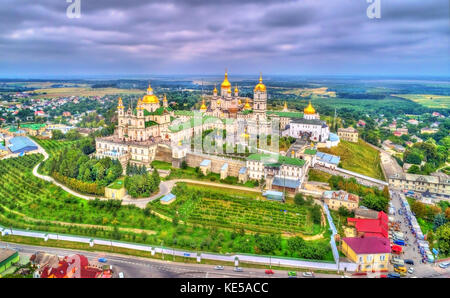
205, 163
3, 148
5, 254
311, 151
325, 157
224, 167
289, 183
21, 144
292, 115
33, 126
372, 227
368, 245
168, 197
340, 195
243, 170
367, 213
273, 195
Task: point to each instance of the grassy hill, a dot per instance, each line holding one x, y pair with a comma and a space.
358, 157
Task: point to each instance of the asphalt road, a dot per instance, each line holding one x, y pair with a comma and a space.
410, 251
135, 267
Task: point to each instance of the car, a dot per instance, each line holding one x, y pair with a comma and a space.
238, 269
102, 260
121, 275
411, 270
308, 274
383, 276
292, 274
345, 276
409, 262
393, 275
400, 269
444, 265
397, 261
219, 267
269, 271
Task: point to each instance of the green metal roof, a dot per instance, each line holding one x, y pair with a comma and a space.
286, 114
311, 151
276, 160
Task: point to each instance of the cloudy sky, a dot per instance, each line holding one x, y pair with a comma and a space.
206, 36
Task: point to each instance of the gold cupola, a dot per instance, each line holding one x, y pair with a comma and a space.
120, 104
139, 105
309, 110
203, 107
247, 105
260, 87
150, 97
215, 89
236, 90
226, 84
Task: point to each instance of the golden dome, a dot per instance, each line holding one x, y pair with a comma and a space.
165, 97
309, 109
236, 90
229, 91
239, 102
260, 87
150, 97
139, 105
120, 104
247, 106
226, 84
203, 107
215, 89
218, 102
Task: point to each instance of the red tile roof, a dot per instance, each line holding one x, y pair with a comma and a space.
368, 245
372, 227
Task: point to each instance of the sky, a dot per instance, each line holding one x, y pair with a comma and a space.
304, 37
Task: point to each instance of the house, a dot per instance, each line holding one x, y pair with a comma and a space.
76, 266
349, 134
3, 150
22, 145
116, 190
428, 130
8, 257
413, 122
363, 212
327, 160
371, 254
243, 175
371, 227
361, 123
434, 184
340, 198
66, 114
400, 131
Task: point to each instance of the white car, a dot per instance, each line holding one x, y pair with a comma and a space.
307, 274
444, 265
121, 275
238, 269
411, 270
219, 267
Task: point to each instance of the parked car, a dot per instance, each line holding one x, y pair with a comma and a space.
292, 274
308, 274
393, 275
408, 261
383, 276
411, 270
397, 261
218, 267
102, 260
400, 268
269, 271
238, 269
444, 265
399, 242
121, 275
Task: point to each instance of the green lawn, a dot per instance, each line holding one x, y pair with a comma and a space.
358, 157
161, 165
319, 176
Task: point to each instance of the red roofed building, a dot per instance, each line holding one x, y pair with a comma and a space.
371, 227
370, 253
76, 266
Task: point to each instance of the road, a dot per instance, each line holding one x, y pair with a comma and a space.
410, 251
135, 267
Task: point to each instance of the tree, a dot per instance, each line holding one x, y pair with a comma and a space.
57, 135
343, 211
155, 177
443, 238
184, 165
299, 200
439, 220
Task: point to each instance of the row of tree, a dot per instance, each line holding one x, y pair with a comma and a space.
139, 186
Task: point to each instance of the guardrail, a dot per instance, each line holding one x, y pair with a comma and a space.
248, 258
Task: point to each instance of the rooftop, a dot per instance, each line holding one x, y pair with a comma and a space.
368, 245
273, 159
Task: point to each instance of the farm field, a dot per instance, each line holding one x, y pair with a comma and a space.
216, 208
358, 157
52, 146
81, 91
428, 100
